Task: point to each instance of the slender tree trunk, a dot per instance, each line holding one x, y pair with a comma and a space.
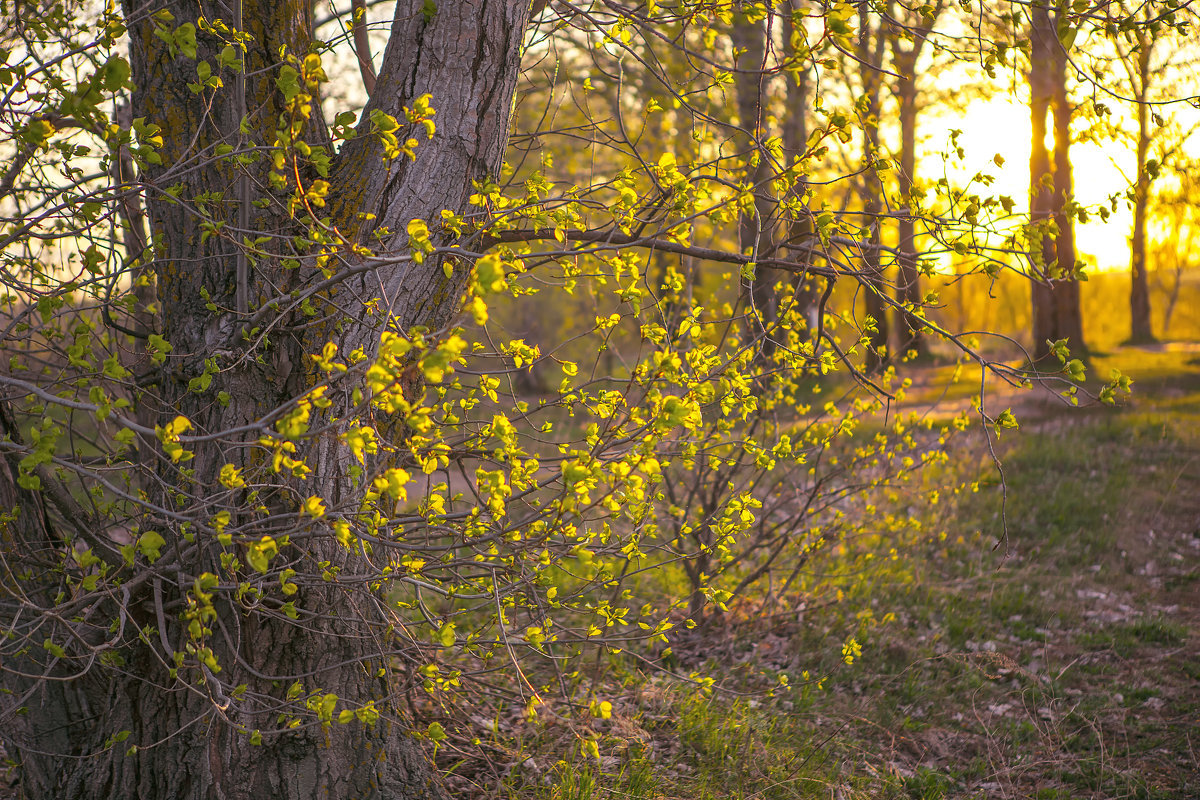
1139, 290
754, 225
675, 304
698, 567
1041, 193
795, 144
1066, 291
870, 59
190, 726
1055, 292
908, 288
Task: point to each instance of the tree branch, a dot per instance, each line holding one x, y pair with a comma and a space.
362, 45
614, 239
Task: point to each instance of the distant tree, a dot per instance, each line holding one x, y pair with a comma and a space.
752, 29
1153, 54
907, 41
869, 53
1137, 59
1057, 315
1173, 238
798, 218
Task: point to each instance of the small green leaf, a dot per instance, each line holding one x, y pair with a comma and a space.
158, 347
116, 73
288, 82
150, 545
1006, 419
260, 553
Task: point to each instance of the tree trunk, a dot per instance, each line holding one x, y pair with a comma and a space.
190, 749
754, 233
1055, 292
908, 288
1066, 292
190, 725
1139, 290
676, 304
870, 60
795, 145
1041, 192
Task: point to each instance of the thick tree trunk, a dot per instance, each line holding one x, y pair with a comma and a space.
189, 749
190, 726
1055, 292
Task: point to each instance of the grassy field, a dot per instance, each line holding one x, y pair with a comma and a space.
1045, 648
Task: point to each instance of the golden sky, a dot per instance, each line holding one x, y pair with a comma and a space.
1001, 125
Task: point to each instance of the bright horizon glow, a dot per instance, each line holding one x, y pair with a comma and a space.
1000, 125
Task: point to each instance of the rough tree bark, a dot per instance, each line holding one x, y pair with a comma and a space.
466, 55
1055, 293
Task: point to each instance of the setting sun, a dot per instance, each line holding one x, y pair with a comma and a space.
1001, 126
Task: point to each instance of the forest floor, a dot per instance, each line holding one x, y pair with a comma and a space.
1059, 659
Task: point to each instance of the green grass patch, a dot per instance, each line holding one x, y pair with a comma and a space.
928, 784
1146, 632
